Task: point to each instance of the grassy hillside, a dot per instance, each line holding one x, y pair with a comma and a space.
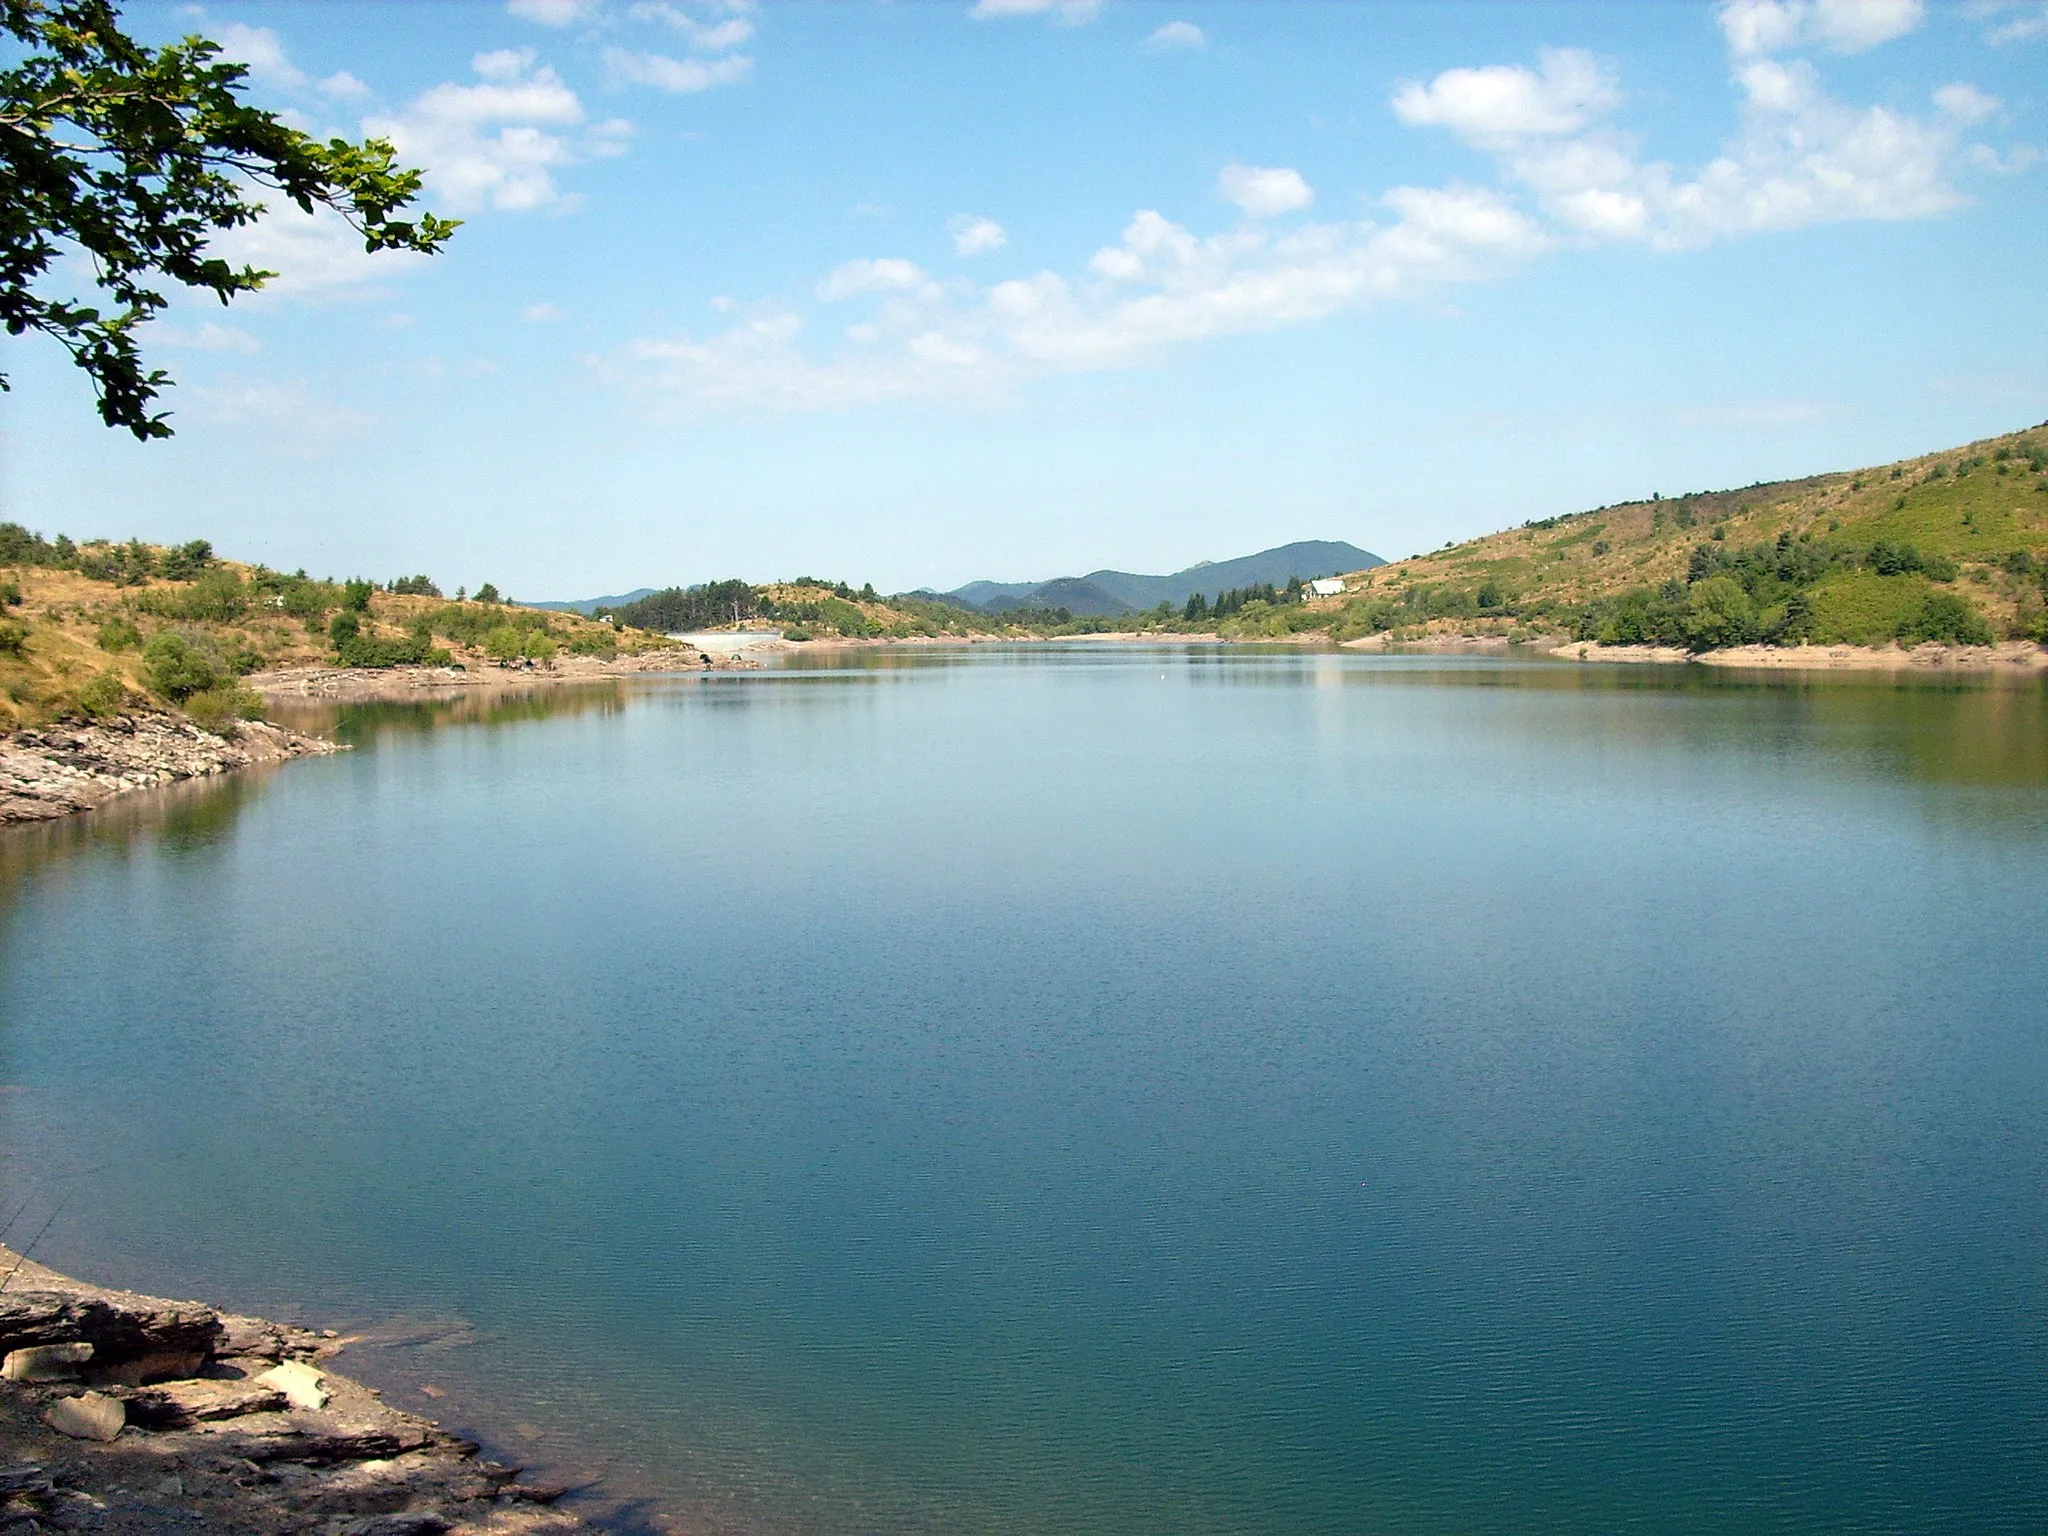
1950, 546
89, 629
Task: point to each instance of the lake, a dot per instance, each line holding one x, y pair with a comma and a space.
1104, 1088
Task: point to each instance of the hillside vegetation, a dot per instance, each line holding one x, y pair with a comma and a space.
1949, 547
90, 629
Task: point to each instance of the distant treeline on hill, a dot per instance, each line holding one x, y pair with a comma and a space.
715, 604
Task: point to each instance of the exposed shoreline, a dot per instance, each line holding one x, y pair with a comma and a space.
178, 1416
64, 769
346, 685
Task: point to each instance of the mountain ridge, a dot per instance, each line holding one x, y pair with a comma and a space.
1130, 591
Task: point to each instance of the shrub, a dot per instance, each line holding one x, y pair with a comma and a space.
101, 697
217, 709
10, 594
501, 643
216, 597
118, 635
1719, 613
594, 642
538, 645
186, 561
13, 637
355, 596
178, 668
1946, 617
488, 593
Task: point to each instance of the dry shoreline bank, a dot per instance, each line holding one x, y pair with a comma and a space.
63, 769
126, 1414
2005, 657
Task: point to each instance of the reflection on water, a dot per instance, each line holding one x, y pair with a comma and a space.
1181, 1089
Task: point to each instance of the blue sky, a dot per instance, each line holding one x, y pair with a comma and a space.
924, 292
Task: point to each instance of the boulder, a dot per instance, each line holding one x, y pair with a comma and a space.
179, 1404
93, 1416
118, 1326
45, 1362
300, 1384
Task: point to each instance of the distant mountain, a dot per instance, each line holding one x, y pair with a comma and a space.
589, 605
1125, 591
1074, 593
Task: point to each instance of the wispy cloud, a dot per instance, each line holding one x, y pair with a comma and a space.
680, 77
974, 236
263, 51
1066, 13
1264, 191
1566, 177
497, 143
1758, 27
1177, 35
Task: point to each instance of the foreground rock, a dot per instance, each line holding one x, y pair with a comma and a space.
179, 1418
55, 772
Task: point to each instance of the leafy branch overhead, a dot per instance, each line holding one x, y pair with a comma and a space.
136, 158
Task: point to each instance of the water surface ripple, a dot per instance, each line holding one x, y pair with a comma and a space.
1106, 1089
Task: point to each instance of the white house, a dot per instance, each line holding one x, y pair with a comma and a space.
1327, 586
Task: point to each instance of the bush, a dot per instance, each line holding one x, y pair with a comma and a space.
1947, 618
217, 709
10, 594
102, 697
355, 596
501, 643
13, 637
178, 668
1719, 613
118, 635
594, 642
538, 645
186, 561
216, 597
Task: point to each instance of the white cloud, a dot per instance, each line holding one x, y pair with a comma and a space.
1178, 34
263, 51
552, 13
1798, 157
289, 419
1503, 102
974, 236
887, 274
1161, 286
1067, 13
705, 35
315, 255
1263, 191
1965, 103
539, 314
681, 77
1757, 27
497, 144
2022, 29
207, 337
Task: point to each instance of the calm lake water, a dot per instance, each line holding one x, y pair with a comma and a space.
1106, 1089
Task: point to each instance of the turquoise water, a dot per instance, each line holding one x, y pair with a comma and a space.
1106, 1089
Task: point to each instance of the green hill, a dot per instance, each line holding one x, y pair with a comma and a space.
1949, 546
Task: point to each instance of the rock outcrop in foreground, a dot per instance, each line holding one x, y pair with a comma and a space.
62, 769
123, 1414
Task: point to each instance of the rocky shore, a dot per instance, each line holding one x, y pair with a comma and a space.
123, 1414
63, 769
360, 685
